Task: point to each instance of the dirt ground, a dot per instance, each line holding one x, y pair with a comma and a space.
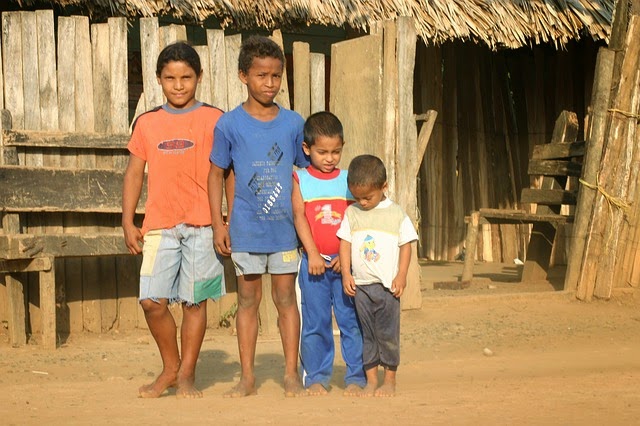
497, 352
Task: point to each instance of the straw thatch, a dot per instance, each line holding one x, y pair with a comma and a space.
497, 23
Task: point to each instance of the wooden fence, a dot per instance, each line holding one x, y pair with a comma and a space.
84, 88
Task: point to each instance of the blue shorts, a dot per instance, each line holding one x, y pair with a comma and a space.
282, 262
180, 264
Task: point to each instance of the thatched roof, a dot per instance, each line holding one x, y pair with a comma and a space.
497, 23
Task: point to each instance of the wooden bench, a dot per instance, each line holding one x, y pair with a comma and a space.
556, 162
79, 192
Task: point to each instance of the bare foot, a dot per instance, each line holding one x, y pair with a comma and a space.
159, 385
352, 390
186, 389
386, 390
241, 389
293, 387
368, 391
317, 389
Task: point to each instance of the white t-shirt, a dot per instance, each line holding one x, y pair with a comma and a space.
376, 236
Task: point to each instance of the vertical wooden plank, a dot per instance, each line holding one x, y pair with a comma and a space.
12, 65
171, 33
203, 92
119, 75
48, 83
31, 86
407, 150
83, 76
150, 48
48, 306
301, 77
318, 101
127, 278
91, 310
282, 98
217, 68
356, 67
67, 121
432, 81
32, 157
101, 79
1, 74
390, 102
236, 91
66, 83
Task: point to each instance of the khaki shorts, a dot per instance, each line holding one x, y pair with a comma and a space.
282, 262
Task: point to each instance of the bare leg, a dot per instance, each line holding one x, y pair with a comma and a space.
194, 324
388, 387
163, 329
284, 297
372, 382
249, 295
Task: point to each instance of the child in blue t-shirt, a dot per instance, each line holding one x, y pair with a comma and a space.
260, 141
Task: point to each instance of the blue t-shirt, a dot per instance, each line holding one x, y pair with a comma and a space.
262, 155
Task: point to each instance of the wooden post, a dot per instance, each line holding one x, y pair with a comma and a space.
390, 102
470, 247
596, 273
217, 68
318, 102
150, 49
301, 77
593, 155
48, 305
118, 63
203, 93
282, 98
237, 92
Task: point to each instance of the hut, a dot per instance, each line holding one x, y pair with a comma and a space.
498, 73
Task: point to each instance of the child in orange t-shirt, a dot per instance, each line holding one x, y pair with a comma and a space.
179, 263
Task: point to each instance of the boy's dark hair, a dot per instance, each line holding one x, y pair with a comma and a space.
367, 170
179, 51
322, 123
258, 47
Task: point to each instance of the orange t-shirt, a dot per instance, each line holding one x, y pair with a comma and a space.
176, 145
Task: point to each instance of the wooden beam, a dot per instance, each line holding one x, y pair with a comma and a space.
55, 139
40, 189
554, 151
554, 168
548, 196
26, 265
488, 216
22, 246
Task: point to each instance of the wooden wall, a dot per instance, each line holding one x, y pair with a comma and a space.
84, 88
493, 108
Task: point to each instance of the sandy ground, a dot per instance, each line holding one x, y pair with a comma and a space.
498, 352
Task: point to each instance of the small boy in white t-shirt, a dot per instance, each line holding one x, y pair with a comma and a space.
375, 252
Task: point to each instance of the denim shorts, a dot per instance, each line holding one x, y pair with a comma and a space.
282, 262
181, 265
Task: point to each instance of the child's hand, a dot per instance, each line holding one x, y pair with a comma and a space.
221, 241
335, 264
348, 285
398, 285
133, 238
316, 264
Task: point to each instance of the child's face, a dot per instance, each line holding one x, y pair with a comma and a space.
179, 83
368, 196
325, 153
263, 80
